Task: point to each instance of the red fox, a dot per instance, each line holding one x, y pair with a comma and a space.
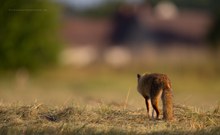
151, 86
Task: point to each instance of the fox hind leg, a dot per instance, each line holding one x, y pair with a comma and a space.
155, 94
147, 100
154, 102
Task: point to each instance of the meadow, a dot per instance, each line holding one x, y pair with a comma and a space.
105, 119
102, 100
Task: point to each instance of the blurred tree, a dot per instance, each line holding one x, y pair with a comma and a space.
28, 36
214, 34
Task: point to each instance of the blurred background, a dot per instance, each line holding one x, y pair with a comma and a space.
88, 52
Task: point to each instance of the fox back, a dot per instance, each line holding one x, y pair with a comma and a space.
150, 83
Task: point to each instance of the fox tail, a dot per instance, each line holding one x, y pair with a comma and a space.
167, 99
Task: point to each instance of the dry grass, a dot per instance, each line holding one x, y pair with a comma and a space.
100, 100
104, 119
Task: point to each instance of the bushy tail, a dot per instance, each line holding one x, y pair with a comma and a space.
167, 98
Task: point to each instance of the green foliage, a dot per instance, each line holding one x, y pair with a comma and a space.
28, 34
214, 33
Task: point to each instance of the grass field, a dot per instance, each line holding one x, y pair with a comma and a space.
102, 100
105, 119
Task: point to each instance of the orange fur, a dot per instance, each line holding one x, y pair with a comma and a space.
152, 87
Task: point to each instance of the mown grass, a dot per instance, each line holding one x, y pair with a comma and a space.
105, 119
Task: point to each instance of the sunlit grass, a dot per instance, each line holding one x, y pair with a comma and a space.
105, 119
103, 100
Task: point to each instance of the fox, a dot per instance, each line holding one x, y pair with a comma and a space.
152, 86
